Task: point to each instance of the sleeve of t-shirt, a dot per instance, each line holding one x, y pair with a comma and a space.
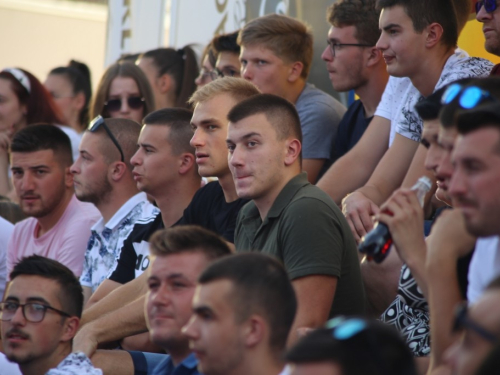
319, 123
384, 108
310, 239
71, 253
124, 269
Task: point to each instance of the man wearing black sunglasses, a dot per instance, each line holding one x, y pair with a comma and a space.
488, 14
40, 315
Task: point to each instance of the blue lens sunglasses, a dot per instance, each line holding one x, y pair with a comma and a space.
489, 5
468, 97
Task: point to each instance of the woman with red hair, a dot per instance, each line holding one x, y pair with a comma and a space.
24, 101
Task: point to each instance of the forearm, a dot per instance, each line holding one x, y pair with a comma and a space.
116, 299
443, 296
126, 321
342, 179
381, 282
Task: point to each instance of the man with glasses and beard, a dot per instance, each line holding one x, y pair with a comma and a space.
39, 318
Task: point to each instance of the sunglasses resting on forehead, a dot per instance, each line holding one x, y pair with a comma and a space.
489, 5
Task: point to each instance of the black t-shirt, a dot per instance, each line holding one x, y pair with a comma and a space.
134, 256
351, 128
210, 210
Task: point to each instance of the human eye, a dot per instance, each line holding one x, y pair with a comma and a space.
36, 307
424, 142
193, 127
41, 172
10, 306
17, 173
243, 62
261, 62
251, 144
153, 284
231, 147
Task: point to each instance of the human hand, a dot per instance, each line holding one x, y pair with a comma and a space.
449, 238
406, 224
85, 341
358, 210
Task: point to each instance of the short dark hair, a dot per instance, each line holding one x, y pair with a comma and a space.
377, 349
226, 43
41, 137
428, 108
362, 14
71, 293
280, 113
126, 133
260, 285
425, 12
188, 238
179, 122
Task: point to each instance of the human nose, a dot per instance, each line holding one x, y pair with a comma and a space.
197, 139
136, 158
246, 72
75, 167
432, 158
381, 42
483, 15
445, 167
124, 108
456, 187
191, 329
327, 54
160, 297
236, 157
18, 316
28, 182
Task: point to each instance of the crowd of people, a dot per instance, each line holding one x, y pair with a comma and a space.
178, 220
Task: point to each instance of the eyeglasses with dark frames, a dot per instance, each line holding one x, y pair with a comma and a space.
33, 312
134, 102
96, 123
463, 321
205, 76
489, 5
334, 46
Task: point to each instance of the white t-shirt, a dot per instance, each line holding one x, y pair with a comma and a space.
484, 266
7, 367
6, 229
400, 96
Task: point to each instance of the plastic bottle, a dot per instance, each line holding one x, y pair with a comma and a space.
376, 243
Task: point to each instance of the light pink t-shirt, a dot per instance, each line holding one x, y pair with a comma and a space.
65, 242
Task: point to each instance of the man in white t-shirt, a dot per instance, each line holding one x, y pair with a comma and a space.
102, 175
59, 225
418, 42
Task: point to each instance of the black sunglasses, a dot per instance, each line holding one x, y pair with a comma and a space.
489, 5
463, 321
96, 123
134, 102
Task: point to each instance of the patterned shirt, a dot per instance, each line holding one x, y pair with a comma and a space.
106, 240
75, 364
400, 96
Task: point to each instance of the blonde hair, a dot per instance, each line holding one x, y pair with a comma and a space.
288, 38
238, 88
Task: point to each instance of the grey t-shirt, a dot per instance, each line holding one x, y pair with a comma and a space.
319, 115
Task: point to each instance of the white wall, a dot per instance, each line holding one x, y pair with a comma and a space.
38, 35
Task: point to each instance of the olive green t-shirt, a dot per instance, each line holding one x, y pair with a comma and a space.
307, 232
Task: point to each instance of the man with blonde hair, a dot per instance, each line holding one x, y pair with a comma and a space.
276, 55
